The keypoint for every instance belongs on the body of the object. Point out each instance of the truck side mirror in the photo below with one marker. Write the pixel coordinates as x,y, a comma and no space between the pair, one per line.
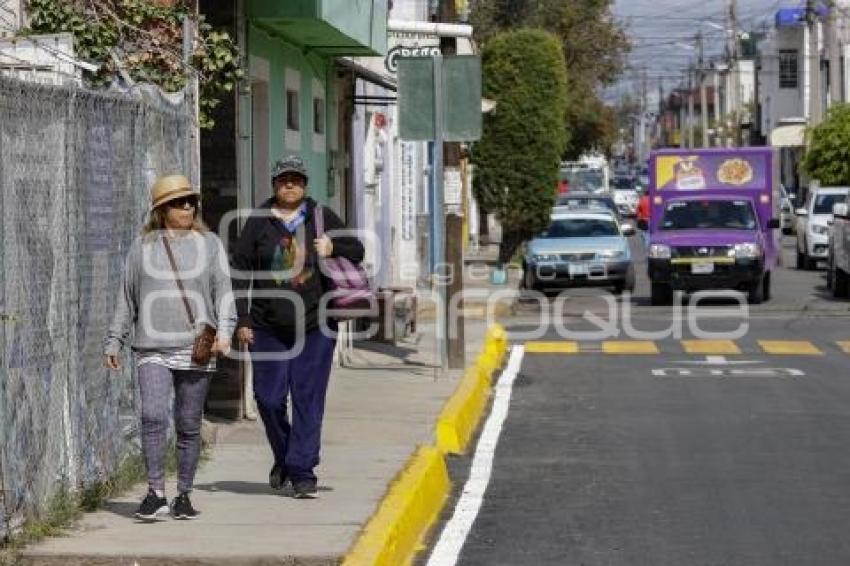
642,224
773,224
840,210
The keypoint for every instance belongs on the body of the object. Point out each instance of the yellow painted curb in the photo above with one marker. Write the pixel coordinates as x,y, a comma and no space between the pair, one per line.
414,501
461,414
396,531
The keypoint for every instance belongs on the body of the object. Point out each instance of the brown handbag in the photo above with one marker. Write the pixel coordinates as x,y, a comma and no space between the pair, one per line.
204,341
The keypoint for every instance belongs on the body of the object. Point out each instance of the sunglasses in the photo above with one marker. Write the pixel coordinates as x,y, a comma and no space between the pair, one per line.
182,202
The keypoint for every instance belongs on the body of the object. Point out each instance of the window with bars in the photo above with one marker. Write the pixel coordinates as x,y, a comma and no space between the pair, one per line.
788,68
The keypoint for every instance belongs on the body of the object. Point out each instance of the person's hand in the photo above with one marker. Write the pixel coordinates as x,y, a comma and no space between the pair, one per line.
221,347
245,335
110,361
324,246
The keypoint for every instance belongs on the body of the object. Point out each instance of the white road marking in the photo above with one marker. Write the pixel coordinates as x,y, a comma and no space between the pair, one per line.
718,361
448,548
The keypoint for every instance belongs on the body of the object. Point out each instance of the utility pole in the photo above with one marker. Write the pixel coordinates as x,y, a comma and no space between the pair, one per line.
455,347
814,79
662,129
734,94
835,62
644,109
703,96
717,140
691,107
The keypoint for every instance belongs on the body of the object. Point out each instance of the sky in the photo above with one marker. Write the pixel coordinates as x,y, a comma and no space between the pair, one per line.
663,33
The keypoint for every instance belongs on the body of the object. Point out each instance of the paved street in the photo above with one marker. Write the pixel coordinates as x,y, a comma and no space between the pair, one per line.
675,450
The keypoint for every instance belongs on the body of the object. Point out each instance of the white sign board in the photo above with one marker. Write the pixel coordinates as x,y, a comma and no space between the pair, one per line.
452,187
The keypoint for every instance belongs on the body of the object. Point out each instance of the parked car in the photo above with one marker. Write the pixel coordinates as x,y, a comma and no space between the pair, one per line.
786,216
812,225
580,248
838,267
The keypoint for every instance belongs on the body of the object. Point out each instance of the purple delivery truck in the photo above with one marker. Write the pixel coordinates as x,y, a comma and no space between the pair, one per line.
714,215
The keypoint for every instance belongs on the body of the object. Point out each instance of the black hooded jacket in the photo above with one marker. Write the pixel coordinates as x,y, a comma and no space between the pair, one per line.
265,250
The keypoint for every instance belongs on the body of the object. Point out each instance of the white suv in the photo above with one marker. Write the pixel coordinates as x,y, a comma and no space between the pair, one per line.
813,224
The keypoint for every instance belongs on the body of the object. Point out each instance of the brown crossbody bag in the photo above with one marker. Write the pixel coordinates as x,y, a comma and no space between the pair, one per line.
202,348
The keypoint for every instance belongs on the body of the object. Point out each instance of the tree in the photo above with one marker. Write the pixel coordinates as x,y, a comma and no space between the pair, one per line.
143,38
827,158
518,157
594,45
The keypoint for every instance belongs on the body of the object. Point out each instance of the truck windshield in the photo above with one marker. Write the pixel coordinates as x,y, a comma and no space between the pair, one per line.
823,203
708,215
581,228
584,179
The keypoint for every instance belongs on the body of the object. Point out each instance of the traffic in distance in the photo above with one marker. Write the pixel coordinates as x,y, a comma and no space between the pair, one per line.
707,220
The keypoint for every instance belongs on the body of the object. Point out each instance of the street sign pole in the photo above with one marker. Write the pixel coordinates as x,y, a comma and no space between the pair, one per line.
438,226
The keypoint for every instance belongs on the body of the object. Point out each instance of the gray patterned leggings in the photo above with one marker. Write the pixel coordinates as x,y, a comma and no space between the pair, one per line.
190,392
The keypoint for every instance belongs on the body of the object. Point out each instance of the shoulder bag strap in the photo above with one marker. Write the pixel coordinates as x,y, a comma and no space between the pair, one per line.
178,281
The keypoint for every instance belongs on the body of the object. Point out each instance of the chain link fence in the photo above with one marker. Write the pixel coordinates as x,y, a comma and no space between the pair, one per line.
75,167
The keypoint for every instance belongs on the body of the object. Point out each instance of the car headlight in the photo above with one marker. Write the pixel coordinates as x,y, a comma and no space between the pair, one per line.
611,254
659,251
747,250
545,258
819,230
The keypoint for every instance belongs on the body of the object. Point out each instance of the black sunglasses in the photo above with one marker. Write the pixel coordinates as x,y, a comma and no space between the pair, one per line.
182,202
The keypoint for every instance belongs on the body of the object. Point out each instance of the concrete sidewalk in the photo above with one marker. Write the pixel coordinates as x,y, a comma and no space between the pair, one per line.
377,413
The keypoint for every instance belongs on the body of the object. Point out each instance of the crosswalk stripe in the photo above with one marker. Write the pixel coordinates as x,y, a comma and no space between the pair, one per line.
564,347
710,347
629,347
789,347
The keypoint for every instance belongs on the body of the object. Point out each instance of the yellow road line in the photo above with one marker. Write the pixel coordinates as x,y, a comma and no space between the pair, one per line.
789,347
629,347
845,346
551,347
709,347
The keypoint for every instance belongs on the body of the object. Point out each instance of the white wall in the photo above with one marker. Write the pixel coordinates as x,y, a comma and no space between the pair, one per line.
780,103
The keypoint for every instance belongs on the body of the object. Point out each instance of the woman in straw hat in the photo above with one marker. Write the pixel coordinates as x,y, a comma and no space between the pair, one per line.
176,282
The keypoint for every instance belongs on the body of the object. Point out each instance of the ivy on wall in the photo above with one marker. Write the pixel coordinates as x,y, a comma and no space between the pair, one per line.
143,38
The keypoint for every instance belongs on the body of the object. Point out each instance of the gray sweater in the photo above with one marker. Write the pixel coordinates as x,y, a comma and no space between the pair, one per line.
149,305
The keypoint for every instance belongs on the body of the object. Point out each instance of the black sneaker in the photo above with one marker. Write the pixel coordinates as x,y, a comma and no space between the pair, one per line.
181,507
304,489
152,507
277,477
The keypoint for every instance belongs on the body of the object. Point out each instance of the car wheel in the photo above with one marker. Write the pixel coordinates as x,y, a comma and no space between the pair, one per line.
755,296
840,284
810,264
766,291
661,294
530,282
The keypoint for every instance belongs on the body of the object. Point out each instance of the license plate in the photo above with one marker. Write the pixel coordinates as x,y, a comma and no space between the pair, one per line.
577,269
702,268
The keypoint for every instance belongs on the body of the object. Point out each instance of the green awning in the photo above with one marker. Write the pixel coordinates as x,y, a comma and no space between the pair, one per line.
330,27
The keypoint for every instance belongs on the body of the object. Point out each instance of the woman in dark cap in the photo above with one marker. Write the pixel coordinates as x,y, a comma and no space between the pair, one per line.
277,257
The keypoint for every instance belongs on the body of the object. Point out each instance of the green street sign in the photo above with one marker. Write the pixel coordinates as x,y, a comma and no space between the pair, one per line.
458,107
